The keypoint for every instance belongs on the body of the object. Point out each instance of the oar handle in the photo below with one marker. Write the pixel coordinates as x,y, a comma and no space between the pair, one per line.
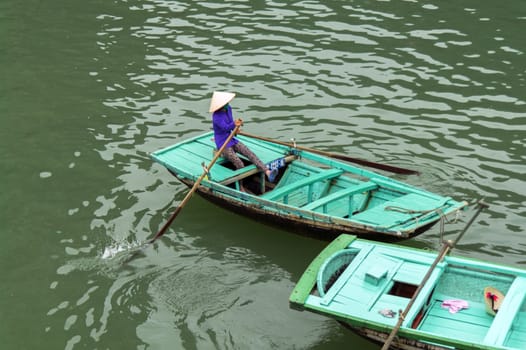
195,186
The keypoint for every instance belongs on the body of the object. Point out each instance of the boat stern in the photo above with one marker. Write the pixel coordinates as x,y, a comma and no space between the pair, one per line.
308,280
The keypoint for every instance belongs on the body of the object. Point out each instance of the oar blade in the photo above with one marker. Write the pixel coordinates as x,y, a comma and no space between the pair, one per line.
367,163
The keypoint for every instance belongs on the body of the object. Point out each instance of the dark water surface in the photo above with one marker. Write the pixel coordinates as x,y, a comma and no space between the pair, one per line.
89,88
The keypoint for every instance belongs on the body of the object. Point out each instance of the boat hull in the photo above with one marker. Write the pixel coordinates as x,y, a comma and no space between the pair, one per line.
326,231
379,338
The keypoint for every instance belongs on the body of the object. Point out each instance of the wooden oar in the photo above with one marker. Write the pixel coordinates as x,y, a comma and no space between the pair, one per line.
194,187
390,168
446,247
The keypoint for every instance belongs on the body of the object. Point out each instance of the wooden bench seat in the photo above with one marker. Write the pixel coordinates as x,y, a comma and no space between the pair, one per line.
284,191
322,202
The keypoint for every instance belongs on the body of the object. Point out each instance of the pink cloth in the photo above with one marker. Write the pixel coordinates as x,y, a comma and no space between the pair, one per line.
455,305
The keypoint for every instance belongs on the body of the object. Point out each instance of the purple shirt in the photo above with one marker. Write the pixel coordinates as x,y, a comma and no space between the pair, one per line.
223,123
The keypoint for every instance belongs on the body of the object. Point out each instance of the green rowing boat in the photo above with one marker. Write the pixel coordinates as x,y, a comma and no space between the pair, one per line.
313,194
463,304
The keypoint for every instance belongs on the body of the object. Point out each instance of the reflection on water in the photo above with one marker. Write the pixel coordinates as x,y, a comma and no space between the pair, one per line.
186,296
434,87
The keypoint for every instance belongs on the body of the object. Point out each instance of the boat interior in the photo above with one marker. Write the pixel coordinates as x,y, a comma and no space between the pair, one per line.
312,183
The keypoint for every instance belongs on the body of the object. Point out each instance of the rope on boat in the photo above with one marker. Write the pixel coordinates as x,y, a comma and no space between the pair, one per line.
207,172
442,227
293,150
439,212
411,211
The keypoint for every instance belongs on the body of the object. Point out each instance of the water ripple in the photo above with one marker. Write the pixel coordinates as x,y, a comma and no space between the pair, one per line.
434,87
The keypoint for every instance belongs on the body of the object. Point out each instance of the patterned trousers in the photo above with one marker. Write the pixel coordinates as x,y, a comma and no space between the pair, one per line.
230,154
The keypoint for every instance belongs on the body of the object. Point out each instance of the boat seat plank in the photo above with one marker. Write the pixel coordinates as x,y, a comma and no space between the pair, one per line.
469,324
285,190
366,186
296,171
509,308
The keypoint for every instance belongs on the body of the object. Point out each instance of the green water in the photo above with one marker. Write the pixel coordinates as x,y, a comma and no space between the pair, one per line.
89,89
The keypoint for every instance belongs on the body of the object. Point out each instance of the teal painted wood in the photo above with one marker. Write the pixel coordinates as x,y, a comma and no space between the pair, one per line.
517,335
471,324
382,277
411,202
266,152
306,182
335,196
504,319
313,194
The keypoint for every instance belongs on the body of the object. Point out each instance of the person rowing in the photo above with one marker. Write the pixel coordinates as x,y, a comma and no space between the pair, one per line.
223,124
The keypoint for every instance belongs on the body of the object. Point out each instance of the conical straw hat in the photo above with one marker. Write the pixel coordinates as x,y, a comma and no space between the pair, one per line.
493,298
219,99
